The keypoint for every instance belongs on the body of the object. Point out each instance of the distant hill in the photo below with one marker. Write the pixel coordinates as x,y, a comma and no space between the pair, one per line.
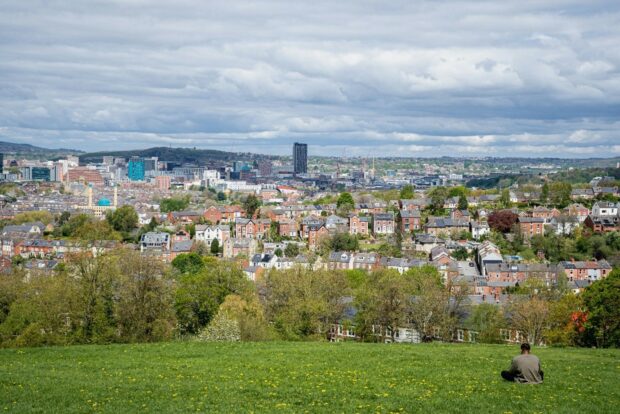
178,155
33,152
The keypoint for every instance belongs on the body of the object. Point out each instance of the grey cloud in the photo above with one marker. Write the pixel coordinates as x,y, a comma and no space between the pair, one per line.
411,78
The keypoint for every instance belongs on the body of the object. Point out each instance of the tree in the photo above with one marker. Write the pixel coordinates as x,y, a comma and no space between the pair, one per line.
502,220
602,301
504,198
221,196
249,315
560,193
94,278
251,204
278,252
345,203
384,301
43,216
438,198
529,316
564,313
215,246
199,295
291,250
406,192
221,329
343,241
63,218
463,204
460,253
188,263
144,308
544,193
301,303
124,219
174,204
487,320
93,230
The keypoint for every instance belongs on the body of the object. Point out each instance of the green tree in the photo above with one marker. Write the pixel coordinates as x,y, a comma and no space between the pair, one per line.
602,301
463,204
63,218
124,219
188,263
560,193
291,250
278,252
438,197
144,308
544,193
561,328
504,198
343,241
406,192
460,253
174,204
345,202
301,303
215,247
251,204
198,295
221,196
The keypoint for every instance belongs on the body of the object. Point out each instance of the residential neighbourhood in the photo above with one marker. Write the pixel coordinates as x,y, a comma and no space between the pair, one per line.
492,242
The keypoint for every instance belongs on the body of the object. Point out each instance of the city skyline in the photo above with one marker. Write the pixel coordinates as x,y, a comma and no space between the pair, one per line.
529,79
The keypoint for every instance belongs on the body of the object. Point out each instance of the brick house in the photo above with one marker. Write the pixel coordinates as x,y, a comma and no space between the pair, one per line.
531,226
316,233
358,225
383,223
213,215
411,220
579,211
288,228
589,270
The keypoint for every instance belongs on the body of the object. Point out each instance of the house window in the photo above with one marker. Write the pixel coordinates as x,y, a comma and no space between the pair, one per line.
473,336
460,335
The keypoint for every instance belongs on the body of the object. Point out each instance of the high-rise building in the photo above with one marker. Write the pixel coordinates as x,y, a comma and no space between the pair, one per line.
1,163
300,158
135,169
265,168
150,164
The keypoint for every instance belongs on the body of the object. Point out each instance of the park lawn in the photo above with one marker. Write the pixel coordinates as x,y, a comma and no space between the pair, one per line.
302,377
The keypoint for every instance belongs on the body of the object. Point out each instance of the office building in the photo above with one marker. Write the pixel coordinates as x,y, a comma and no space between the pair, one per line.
1,163
300,158
135,169
35,173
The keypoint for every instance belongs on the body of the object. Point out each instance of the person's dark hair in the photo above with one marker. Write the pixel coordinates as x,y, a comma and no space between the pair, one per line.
525,347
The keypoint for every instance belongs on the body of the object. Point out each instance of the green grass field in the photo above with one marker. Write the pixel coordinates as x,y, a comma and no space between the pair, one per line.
302,377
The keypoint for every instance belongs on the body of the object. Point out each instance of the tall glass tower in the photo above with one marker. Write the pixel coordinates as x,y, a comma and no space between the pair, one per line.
300,158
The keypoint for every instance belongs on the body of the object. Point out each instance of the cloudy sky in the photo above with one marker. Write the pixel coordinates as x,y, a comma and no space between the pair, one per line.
410,78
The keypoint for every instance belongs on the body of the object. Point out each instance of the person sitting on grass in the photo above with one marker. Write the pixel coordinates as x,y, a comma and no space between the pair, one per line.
525,368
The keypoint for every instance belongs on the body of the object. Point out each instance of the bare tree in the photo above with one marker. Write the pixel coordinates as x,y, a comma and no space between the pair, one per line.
529,316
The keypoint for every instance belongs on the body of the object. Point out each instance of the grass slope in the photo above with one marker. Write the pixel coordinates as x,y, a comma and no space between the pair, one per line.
301,377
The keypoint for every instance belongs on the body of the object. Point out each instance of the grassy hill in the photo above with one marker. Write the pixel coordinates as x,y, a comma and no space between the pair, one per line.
302,377
33,152
179,155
